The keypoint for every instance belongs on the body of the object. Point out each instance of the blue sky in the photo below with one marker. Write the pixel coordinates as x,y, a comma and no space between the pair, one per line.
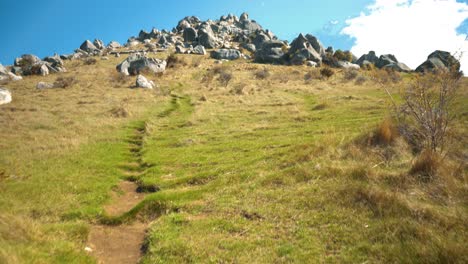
48,26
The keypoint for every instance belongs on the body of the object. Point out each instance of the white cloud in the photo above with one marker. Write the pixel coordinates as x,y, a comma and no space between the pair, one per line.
410,29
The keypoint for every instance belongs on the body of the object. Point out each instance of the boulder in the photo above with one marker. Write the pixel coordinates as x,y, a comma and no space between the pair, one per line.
386,60
114,45
249,47
259,39
44,85
26,60
271,52
99,44
439,60
348,65
3,70
207,39
244,16
190,35
369,58
226,54
135,63
5,96
142,82
318,47
311,64
399,66
14,77
301,50
199,50
88,46
55,63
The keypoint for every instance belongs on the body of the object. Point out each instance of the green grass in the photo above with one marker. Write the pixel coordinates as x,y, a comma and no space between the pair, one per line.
275,175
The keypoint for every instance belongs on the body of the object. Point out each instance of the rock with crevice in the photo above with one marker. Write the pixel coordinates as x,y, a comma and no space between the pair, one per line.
439,60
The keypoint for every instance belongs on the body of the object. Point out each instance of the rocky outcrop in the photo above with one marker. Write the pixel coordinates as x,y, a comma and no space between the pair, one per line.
190,35
142,82
439,60
136,63
5,96
31,65
88,46
113,45
271,52
301,50
226,54
369,58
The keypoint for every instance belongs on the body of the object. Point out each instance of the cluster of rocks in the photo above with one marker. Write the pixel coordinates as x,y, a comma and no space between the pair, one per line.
136,63
387,61
439,60
29,64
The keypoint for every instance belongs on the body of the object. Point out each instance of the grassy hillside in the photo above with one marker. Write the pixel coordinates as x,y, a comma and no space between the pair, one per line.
271,165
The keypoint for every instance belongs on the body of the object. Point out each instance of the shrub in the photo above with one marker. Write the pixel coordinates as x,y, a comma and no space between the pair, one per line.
343,55
224,78
262,74
90,61
174,61
326,73
427,111
425,166
350,74
311,75
64,82
360,80
385,134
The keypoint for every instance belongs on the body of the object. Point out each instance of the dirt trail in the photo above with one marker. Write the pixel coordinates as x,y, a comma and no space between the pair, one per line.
122,243
119,244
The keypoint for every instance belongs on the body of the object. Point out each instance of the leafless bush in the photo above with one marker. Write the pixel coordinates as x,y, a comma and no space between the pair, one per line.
360,80
64,82
350,74
90,61
312,75
224,78
262,74
427,110
174,61
326,73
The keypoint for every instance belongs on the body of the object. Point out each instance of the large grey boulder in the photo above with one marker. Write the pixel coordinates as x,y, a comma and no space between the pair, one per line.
5,96
190,35
316,44
399,66
439,60
199,50
369,58
99,44
301,50
226,54
88,46
136,63
259,39
207,40
272,51
190,21
114,45
386,60
56,64
142,82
